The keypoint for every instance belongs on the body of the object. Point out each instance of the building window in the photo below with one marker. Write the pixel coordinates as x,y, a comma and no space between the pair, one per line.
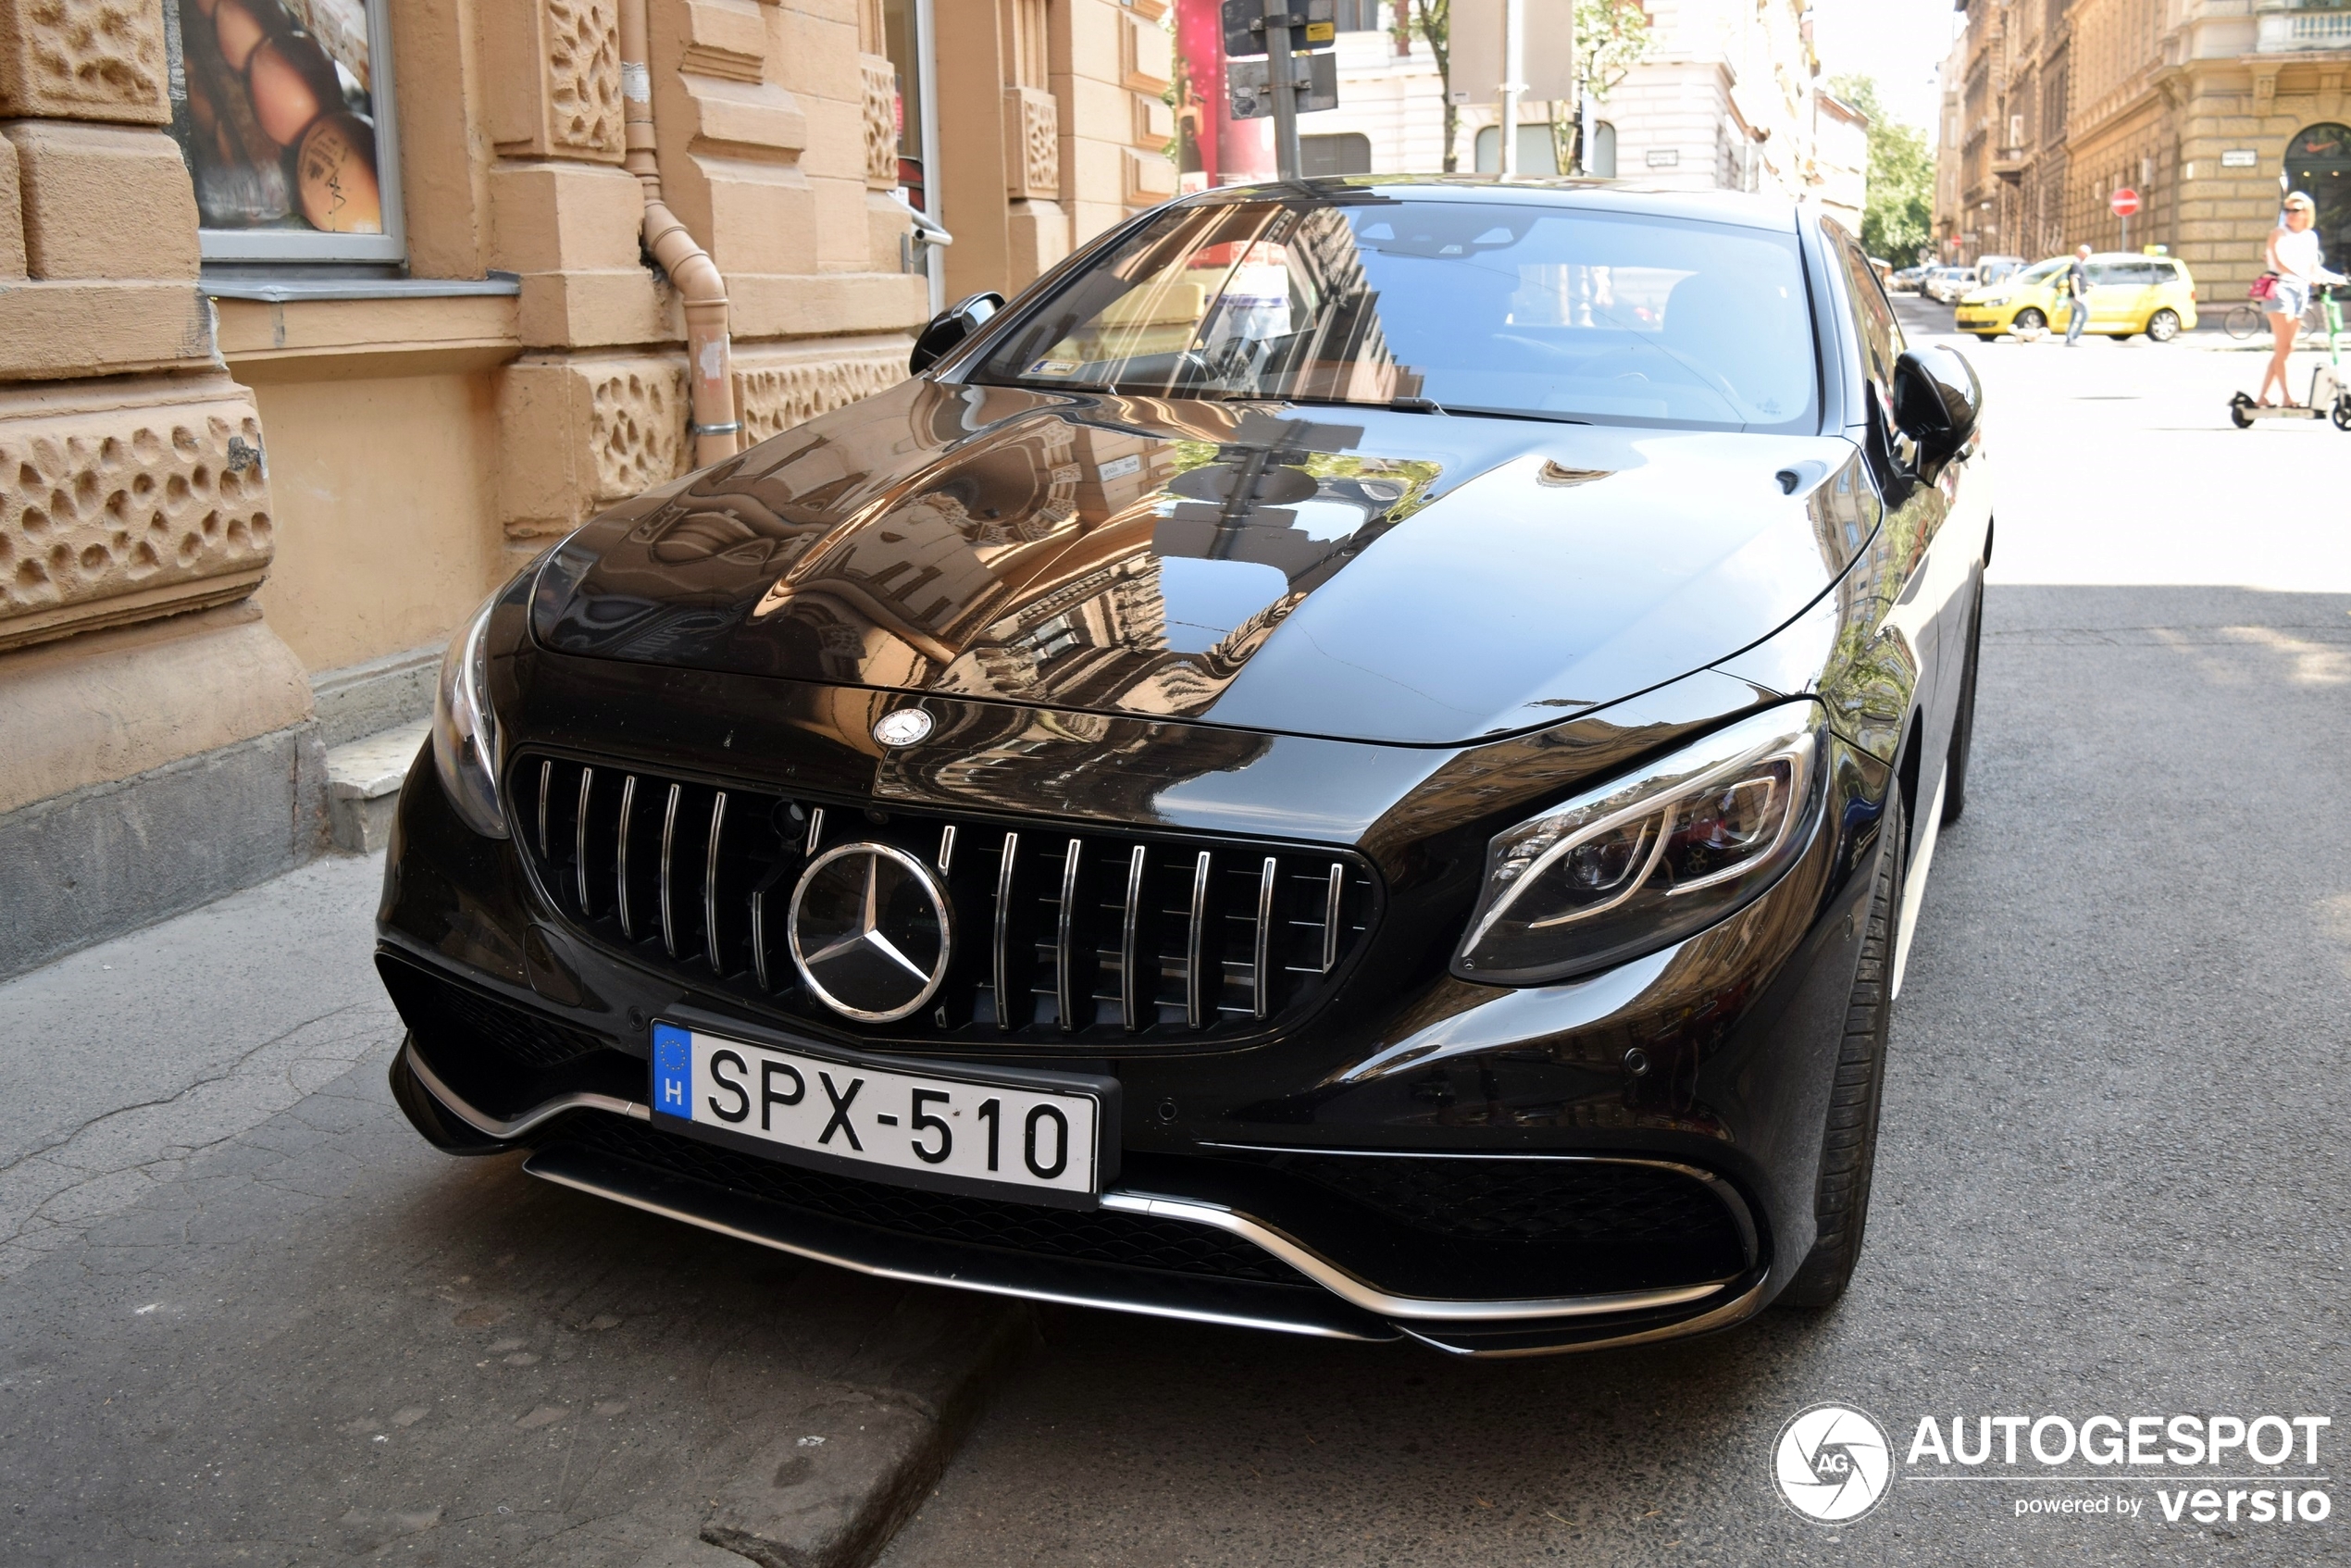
2319,161
283,110
1347,154
1358,16
1537,152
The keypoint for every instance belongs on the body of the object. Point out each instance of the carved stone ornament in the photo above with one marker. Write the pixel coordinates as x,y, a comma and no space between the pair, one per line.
1034,121
82,59
775,396
636,431
583,77
157,503
881,122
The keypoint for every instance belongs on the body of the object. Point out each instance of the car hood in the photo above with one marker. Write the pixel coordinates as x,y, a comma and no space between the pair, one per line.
1353,572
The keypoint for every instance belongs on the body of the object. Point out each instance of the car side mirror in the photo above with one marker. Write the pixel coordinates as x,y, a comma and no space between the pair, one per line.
1937,400
950,327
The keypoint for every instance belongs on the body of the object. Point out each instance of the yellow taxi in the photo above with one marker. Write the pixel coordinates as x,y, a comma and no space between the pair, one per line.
2128,294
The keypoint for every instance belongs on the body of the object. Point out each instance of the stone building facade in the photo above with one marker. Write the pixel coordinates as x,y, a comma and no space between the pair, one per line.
2209,109
318,317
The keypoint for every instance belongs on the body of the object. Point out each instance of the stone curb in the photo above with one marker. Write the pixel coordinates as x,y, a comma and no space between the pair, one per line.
850,1466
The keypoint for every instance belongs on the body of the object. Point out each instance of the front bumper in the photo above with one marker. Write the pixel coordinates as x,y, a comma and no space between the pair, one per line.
1625,1158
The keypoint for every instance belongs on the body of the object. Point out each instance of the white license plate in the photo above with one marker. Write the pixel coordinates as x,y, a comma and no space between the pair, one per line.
938,1130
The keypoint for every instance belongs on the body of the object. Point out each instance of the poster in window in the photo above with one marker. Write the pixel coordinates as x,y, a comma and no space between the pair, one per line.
272,104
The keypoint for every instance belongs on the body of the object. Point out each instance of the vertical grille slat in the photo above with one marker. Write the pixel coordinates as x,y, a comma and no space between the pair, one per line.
1064,932
1222,940
1003,953
1197,1001
710,887
1260,976
579,840
1131,996
620,858
669,861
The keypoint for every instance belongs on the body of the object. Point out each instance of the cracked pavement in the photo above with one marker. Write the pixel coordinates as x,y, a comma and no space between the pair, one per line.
252,1318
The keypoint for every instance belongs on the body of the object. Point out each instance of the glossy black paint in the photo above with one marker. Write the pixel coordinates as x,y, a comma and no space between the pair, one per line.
1498,615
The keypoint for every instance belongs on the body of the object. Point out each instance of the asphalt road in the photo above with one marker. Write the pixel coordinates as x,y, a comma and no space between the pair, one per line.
2113,1175
246,1316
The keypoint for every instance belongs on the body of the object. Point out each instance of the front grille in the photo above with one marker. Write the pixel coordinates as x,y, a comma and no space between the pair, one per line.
1101,940
1530,1200
1101,1237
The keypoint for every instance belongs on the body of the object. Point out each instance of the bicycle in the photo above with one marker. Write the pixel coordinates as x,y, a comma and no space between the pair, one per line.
2248,319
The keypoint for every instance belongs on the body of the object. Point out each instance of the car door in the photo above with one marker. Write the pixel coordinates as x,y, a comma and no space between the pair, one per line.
2118,295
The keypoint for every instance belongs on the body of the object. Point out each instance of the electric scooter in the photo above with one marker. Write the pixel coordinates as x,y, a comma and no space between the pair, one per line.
2330,396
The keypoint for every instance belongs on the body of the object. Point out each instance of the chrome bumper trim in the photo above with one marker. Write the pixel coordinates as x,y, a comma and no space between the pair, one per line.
490,1126
1425,1309
713,1209
607,1181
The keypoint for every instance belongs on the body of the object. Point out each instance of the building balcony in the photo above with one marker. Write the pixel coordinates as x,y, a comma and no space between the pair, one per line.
2289,27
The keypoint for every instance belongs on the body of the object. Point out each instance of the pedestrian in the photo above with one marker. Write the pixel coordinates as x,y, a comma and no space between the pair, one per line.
2077,290
2292,255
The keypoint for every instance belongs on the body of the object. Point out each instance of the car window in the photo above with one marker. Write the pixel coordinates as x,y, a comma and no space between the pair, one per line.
1356,296
2102,272
2167,271
1873,321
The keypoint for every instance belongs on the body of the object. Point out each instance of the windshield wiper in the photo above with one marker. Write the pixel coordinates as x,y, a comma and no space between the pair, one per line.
1506,413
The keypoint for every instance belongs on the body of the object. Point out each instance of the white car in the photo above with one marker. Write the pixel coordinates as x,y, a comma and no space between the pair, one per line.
1948,283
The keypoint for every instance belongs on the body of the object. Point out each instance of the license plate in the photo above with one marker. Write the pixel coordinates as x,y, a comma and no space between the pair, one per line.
924,1129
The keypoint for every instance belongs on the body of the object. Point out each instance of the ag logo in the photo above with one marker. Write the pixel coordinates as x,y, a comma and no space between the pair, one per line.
1833,1463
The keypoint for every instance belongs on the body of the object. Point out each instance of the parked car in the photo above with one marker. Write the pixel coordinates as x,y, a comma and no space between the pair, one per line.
2128,295
1945,285
1381,806
1991,269
1905,281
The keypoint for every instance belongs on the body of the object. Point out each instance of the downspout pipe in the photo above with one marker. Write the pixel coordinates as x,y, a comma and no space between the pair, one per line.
710,370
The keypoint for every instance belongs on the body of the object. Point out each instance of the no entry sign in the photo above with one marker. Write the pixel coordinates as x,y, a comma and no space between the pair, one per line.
2124,202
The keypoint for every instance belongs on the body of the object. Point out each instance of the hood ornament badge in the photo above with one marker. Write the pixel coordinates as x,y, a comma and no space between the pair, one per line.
902,726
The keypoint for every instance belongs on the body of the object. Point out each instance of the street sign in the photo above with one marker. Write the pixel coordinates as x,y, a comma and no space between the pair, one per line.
2124,202
1245,26
1253,98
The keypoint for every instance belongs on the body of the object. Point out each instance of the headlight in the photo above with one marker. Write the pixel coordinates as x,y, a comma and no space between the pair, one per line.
464,731
1639,863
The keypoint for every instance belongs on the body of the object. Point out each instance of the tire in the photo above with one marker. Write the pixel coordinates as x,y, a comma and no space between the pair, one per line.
1848,1149
2163,326
2243,321
1963,721
2340,414
2030,324
1988,337
2241,412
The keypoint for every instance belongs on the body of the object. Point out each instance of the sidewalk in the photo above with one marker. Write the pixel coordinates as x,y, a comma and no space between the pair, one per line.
252,1316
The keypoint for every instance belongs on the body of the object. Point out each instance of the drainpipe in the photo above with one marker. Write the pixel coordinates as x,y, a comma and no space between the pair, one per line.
709,362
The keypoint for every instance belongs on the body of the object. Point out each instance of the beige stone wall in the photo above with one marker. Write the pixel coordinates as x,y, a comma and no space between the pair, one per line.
193,490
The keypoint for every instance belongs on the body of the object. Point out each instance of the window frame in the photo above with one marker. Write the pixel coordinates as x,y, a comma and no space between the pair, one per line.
311,245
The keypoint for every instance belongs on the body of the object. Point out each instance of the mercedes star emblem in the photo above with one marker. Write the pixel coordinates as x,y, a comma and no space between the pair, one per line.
871,930
902,726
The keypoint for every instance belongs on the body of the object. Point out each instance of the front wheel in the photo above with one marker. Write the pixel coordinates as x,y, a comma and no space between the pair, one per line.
2163,326
1848,1149
2030,324
2241,411
2341,413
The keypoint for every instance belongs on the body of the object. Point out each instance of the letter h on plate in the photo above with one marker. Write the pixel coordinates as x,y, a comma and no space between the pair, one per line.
673,1071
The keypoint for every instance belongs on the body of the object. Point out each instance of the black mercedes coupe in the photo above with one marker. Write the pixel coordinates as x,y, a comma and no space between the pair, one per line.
1361,759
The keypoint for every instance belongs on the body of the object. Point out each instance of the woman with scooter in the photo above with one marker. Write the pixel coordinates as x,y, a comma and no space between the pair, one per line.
2291,254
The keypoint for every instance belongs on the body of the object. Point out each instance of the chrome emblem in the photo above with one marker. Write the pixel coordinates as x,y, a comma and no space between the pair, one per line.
871,930
902,726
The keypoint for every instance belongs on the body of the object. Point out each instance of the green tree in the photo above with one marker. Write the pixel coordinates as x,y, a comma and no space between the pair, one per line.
1898,222
1433,19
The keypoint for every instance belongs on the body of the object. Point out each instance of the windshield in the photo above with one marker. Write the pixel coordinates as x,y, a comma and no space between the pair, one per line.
1549,312
2042,271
